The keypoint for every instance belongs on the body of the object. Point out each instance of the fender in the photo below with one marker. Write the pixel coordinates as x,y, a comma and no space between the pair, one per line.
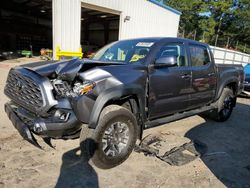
113,94
223,84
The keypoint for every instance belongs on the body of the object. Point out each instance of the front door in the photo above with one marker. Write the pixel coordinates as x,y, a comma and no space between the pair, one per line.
169,87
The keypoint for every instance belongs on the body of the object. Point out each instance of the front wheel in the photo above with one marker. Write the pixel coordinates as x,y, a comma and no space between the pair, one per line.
226,104
113,139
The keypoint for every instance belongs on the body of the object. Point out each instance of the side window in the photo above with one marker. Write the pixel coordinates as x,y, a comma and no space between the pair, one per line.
177,50
199,55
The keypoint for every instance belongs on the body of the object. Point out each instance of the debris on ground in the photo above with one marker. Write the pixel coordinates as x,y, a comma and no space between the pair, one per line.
146,145
177,156
185,153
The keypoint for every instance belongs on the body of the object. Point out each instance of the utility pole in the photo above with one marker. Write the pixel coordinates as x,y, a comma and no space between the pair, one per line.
237,45
203,36
194,34
218,31
227,42
245,47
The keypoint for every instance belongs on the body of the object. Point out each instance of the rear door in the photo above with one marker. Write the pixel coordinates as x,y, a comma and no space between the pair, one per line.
203,75
169,87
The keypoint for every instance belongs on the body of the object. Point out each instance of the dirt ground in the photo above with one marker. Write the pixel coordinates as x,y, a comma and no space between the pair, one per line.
226,163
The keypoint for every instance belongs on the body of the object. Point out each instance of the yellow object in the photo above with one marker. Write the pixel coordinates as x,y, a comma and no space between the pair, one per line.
123,56
60,53
136,57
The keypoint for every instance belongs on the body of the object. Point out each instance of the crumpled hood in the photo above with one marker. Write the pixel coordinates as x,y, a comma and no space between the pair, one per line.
68,70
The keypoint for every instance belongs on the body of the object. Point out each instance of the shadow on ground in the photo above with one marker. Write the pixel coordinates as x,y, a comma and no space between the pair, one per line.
228,155
76,171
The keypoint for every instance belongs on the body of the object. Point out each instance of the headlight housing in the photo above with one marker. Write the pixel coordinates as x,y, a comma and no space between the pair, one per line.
84,87
64,89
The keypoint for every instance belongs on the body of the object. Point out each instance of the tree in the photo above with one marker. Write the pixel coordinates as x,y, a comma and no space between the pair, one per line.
225,20
190,14
207,28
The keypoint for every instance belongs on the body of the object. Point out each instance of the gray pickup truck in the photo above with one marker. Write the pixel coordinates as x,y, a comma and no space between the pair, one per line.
128,86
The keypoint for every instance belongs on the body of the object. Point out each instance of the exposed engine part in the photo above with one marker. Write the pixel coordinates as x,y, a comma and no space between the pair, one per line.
63,89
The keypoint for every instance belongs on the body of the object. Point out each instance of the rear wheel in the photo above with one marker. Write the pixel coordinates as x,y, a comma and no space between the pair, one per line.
225,106
113,139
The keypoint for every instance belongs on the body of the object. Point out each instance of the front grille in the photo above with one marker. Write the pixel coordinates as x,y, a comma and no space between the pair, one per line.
23,91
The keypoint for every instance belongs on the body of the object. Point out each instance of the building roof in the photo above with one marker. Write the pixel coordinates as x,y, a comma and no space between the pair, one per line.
165,6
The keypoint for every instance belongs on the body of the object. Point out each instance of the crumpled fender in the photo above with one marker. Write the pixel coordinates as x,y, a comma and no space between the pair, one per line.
113,94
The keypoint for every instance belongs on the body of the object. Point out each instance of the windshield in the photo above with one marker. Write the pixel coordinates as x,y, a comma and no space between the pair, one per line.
129,51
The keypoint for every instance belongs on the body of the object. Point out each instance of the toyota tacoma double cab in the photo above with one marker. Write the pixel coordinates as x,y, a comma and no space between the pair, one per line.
126,87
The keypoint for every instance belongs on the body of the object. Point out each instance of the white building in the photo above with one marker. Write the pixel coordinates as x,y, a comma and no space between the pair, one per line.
97,22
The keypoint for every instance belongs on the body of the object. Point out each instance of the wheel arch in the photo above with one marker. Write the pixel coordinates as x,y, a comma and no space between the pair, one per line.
229,83
133,95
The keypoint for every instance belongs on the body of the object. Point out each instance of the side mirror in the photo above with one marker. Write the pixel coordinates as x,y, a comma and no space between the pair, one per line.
169,61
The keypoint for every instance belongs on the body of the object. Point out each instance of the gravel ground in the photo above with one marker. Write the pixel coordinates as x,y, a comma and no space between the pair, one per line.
226,163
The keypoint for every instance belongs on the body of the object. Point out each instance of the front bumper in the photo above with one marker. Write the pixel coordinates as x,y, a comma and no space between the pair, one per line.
20,126
50,127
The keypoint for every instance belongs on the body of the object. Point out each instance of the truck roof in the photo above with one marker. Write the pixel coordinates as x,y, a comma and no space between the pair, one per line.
177,39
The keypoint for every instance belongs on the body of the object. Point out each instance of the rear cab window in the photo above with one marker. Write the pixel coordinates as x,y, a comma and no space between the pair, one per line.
199,55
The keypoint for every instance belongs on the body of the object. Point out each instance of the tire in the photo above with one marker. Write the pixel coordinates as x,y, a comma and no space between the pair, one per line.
226,104
113,140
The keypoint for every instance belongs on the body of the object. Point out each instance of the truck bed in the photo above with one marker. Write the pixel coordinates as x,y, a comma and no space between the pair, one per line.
234,71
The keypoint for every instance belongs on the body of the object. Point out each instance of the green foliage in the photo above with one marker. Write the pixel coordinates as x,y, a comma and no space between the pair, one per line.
207,29
203,20
190,18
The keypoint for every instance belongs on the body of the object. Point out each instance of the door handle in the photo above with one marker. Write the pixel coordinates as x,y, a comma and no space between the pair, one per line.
211,74
186,76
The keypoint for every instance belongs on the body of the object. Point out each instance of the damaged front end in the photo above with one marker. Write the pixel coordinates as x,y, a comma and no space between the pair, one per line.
22,128
61,124
43,105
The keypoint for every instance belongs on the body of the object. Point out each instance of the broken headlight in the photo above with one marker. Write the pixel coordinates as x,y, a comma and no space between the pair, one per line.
64,89
82,88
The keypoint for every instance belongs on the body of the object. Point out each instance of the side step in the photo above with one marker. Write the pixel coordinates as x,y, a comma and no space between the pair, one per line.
178,116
